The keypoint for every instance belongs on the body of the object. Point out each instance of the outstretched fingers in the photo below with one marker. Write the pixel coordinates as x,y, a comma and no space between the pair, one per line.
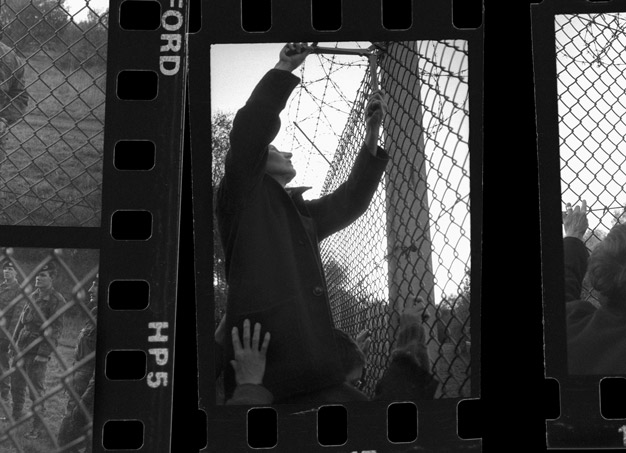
266,343
246,334
237,348
256,336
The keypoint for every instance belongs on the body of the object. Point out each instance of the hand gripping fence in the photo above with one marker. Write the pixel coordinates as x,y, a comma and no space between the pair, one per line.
59,401
53,96
590,62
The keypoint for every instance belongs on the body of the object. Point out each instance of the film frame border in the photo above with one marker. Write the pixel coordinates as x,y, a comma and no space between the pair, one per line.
153,259
580,423
221,24
158,191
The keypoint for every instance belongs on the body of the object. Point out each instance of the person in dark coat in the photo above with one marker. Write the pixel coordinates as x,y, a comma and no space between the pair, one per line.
34,346
270,236
596,336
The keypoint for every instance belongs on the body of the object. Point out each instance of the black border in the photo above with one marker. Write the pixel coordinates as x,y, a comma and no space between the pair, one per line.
291,21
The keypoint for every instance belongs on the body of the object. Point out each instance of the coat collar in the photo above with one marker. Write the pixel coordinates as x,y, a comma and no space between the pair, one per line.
298,191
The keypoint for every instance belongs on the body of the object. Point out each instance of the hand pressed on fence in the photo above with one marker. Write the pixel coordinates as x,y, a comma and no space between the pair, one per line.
270,236
249,366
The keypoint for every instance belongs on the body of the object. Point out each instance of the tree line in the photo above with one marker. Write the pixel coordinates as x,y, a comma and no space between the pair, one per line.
31,25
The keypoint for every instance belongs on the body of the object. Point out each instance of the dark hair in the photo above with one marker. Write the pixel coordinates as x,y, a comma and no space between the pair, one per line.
607,266
350,354
405,379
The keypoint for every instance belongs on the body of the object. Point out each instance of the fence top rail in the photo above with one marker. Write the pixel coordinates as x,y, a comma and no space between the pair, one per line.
372,50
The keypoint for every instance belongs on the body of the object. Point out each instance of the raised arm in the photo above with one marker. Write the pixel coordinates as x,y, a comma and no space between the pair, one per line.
374,114
351,199
257,124
575,254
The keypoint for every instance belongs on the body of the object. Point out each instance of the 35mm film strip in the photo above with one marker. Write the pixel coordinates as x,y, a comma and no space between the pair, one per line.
91,123
337,257
578,60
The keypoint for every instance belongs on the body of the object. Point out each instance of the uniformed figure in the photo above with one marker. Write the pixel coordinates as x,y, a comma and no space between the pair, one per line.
35,345
78,415
11,306
13,95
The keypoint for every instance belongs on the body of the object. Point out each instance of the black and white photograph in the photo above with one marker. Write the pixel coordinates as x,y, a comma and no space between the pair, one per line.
590,80
48,320
52,95
580,111
342,240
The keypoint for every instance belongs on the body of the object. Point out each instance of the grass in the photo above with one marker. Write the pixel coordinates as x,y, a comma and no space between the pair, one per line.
71,94
51,167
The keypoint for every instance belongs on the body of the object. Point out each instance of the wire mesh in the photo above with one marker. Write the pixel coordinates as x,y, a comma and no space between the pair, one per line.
592,110
47,405
414,241
52,96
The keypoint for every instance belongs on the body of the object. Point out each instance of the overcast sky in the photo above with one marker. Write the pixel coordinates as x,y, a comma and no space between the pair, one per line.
79,10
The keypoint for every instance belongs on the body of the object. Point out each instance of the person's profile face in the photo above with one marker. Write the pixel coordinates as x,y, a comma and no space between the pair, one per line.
279,164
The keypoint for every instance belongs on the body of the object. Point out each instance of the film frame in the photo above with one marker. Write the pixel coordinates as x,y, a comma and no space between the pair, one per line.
566,35
221,24
136,239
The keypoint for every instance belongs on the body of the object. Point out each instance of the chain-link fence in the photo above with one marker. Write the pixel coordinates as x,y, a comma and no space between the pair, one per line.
48,310
52,97
414,241
590,60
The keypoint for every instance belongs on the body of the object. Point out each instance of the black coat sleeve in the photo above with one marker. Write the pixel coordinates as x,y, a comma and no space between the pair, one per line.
575,256
350,200
254,127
